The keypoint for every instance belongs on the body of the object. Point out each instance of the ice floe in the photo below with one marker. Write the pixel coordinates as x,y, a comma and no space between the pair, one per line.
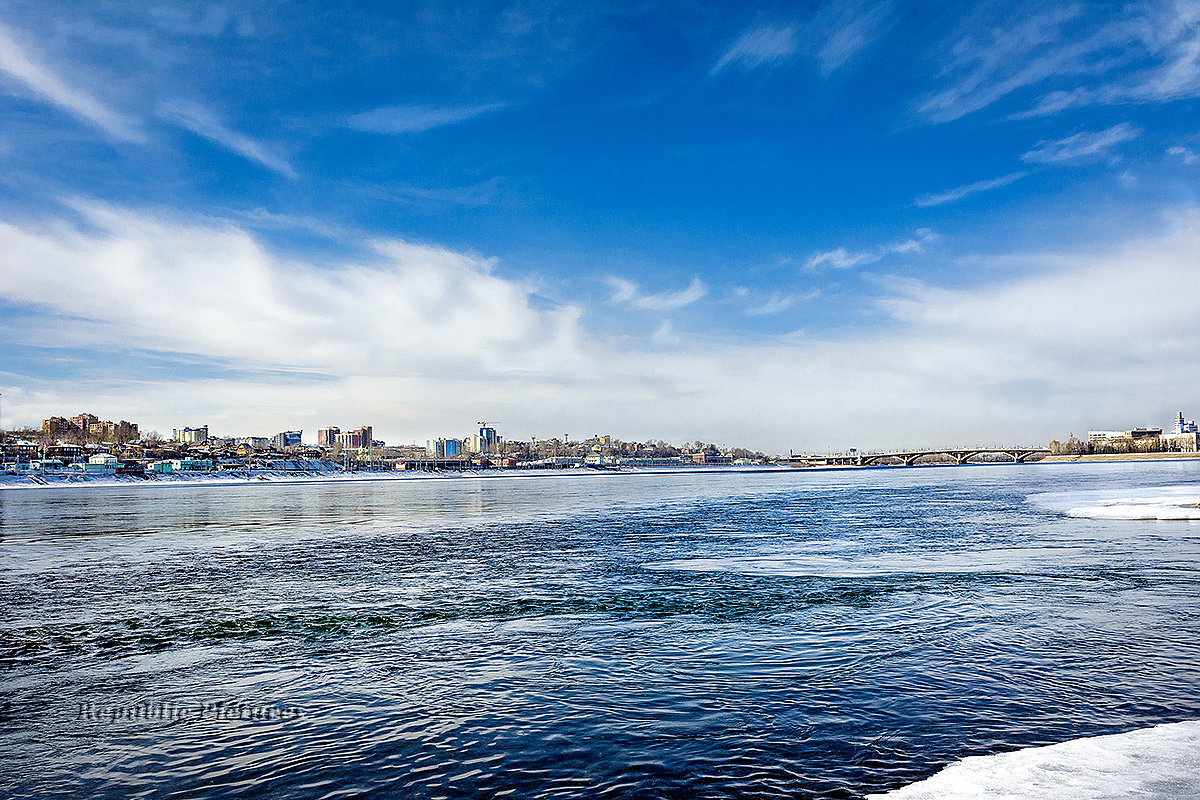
1158,763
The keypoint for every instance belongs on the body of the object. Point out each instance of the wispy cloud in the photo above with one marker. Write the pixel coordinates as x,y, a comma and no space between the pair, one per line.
415,118
759,46
1168,37
628,292
1080,145
940,198
777,302
477,194
984,69
841,258
204,123
1188,155
1146,53
846,31
833,38
44,83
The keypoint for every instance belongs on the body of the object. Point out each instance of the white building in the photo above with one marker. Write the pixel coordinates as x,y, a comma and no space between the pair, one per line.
191,435
1183,437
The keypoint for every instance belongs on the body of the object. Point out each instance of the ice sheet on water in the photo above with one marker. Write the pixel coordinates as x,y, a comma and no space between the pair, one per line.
1153,763
1155,503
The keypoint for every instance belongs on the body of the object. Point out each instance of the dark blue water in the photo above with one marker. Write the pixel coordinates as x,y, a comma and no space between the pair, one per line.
753,635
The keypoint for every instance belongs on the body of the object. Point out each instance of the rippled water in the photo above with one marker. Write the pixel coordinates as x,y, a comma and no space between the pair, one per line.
721,635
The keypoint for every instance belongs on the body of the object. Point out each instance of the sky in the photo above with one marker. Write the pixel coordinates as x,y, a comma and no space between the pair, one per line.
788,226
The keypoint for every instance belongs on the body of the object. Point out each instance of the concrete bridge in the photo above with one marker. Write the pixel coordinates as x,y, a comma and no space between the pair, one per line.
961,455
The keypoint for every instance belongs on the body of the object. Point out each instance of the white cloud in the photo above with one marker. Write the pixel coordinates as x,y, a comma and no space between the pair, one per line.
1186,154
777,302
833,38
415,118
759,46
1145,53
665,336
841,258
1080,145
985,68
847,30
211,289
940,198
625,291
419,340
204,123
43,82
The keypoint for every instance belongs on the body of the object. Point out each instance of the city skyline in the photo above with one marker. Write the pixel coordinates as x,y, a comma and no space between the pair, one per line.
784,228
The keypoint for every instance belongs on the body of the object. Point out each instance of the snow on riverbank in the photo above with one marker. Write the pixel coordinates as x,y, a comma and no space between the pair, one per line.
241,477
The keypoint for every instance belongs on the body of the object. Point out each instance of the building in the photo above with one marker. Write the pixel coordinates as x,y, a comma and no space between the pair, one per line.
91,426
1134,435
84,421
59,427
108,431
191,464
286,439
101,463
444,448
191,435
1184,436
357,439
18,451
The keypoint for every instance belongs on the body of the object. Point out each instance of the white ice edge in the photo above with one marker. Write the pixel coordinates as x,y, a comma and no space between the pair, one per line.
1158,763
1152,503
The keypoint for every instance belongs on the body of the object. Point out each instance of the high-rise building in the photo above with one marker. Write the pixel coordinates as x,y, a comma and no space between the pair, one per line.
84,421
191,435
357,439
444,448
286,439
58,426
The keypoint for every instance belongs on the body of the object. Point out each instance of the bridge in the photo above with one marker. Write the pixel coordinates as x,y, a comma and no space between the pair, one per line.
961,455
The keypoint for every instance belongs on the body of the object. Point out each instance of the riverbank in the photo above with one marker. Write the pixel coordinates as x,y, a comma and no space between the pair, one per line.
1070,459
242,477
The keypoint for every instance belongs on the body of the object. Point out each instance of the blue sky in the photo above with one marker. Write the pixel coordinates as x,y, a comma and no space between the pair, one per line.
792,226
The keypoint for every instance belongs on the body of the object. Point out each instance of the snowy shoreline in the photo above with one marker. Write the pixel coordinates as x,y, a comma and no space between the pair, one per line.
243,478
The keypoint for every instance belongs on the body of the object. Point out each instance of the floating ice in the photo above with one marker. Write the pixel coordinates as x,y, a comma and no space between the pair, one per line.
1161,503
1153,763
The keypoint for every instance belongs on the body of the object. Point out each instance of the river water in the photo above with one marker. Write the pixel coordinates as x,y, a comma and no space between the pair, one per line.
802,634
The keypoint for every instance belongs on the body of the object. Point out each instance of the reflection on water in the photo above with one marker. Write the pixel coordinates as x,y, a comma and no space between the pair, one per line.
798,635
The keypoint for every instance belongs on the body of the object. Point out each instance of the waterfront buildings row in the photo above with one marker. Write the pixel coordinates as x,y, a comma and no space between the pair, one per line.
484,442
1183,436
85,444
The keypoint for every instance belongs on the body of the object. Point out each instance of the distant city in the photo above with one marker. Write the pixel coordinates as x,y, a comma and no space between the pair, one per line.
88,445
